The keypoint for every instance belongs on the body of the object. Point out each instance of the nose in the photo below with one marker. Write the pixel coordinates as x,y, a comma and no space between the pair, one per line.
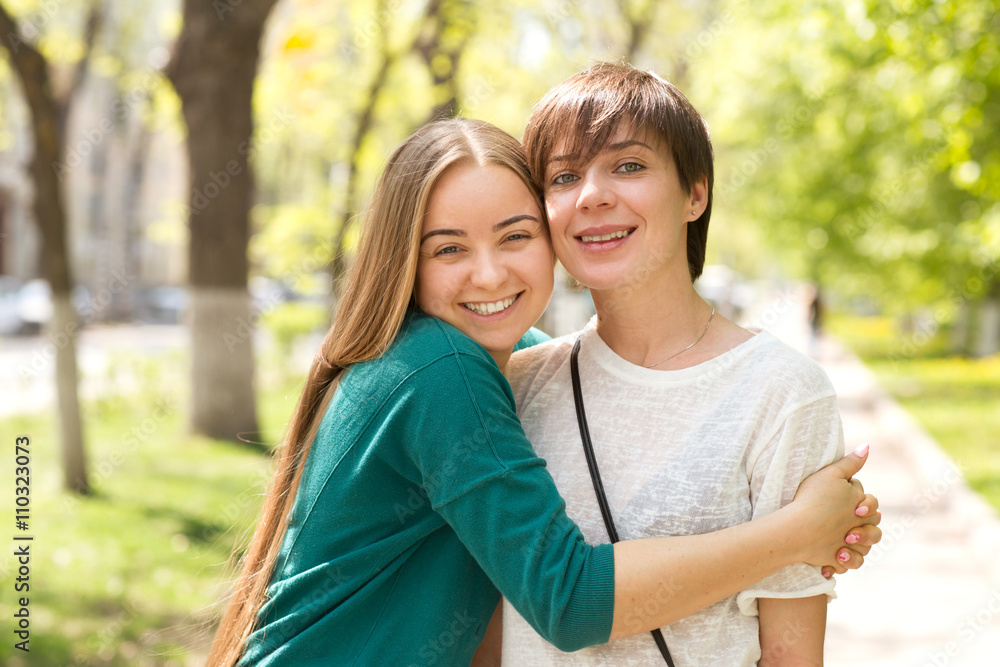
490,271
594,191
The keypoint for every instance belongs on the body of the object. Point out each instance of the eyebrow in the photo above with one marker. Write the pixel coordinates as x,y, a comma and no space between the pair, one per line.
503,224
573,157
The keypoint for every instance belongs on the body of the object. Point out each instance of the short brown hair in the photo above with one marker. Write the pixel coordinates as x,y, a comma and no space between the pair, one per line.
588,108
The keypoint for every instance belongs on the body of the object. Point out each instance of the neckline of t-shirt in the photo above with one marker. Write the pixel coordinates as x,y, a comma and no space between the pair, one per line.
593,345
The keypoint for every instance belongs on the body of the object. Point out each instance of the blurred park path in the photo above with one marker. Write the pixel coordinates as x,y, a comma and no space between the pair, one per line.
929,594
27,365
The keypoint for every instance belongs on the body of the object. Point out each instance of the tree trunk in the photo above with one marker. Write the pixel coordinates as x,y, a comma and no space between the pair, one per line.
213,69
47,117
426,38
988,340
639,22
453,24
958,335
138,151
338,267
74,458
100,225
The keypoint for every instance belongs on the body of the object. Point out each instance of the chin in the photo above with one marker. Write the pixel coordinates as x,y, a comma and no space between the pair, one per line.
601,275
601,280
495,344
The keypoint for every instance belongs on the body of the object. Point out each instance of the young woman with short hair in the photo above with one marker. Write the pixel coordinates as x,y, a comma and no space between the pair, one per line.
697,424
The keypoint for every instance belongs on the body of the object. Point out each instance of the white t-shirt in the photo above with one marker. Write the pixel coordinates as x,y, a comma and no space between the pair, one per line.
680,452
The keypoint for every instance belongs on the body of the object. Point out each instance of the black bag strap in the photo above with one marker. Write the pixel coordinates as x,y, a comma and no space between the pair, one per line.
595,476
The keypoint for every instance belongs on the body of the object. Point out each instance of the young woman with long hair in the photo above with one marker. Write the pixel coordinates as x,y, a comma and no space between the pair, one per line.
405,494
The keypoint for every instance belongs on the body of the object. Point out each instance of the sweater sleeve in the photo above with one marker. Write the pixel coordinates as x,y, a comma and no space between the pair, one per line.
475,465
808,438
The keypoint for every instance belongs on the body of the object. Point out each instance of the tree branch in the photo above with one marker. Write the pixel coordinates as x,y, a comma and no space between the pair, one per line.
32,69
638,26
94,22
436,44
364,124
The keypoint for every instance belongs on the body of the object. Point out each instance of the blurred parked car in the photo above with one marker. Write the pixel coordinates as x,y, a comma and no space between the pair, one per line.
266,293
27,307
34,305
10,319
161,305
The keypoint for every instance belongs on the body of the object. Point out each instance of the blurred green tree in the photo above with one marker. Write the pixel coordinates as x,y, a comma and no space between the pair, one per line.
861,137
409,62
439,38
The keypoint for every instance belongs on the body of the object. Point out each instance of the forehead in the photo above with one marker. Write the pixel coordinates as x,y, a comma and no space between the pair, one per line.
468,194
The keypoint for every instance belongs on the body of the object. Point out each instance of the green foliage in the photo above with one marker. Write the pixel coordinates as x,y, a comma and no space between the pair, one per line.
854,141
292,241
512,53
288,323
291,320
859,137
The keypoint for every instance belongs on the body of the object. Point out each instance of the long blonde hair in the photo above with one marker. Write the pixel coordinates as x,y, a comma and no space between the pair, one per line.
374,304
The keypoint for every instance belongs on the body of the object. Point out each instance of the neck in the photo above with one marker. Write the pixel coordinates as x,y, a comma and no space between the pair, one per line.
502,358
645,325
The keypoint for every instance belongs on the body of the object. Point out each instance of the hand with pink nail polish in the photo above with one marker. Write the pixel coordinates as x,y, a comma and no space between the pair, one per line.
835,504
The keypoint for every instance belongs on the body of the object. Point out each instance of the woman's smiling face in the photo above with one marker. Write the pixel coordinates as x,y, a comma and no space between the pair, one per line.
621,218
486,264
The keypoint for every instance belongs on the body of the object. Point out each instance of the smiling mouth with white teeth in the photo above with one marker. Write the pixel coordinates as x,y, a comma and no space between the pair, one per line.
492,307
607,237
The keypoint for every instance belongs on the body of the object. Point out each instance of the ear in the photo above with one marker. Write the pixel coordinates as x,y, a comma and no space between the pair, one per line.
698,199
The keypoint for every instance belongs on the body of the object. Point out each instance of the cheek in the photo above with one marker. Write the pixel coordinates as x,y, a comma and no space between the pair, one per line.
430,289
563,247
541,268
557,214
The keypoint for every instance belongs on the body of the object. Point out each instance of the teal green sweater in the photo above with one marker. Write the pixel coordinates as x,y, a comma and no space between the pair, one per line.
419,499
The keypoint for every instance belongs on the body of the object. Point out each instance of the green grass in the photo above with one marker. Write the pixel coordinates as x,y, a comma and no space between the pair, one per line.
132,574
956,399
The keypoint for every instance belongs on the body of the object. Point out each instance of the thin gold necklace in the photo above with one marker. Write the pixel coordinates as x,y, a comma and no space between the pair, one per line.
707,324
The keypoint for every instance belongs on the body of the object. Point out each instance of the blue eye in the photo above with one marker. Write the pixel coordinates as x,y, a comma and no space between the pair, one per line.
448,250
518,237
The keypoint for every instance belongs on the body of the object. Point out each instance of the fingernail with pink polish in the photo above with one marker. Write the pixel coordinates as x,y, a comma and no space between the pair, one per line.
843,556
861,511
853,538
861,451
827,574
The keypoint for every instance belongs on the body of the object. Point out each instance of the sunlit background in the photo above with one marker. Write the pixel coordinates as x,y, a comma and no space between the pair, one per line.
857,174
